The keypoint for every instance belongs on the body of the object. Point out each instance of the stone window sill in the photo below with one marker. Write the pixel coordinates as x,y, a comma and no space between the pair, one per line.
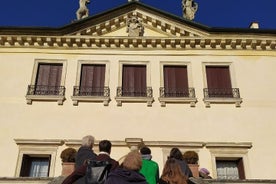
209,101
148,100
31,98
77,99
165,100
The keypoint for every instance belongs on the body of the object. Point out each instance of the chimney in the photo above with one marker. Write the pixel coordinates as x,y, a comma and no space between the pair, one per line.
254,25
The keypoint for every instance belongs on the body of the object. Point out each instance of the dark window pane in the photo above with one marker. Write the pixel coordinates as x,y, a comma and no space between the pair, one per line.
35,166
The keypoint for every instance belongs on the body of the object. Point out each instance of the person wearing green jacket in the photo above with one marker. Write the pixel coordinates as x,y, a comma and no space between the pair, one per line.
150,168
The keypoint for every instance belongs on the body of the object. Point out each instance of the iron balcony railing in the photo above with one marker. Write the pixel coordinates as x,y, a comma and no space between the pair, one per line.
46,90
91,91
221,93
176,92
132,92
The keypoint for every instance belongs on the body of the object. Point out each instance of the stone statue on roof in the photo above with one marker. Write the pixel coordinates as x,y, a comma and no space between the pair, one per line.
189,9
83,11
135,26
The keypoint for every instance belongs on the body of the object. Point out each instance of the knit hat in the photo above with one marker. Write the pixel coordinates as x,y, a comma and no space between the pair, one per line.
204,171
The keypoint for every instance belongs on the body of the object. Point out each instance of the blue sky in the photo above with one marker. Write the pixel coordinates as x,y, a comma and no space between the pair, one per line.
212,13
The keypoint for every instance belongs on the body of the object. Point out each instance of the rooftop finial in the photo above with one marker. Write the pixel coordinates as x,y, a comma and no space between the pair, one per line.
189,9
83,11
132,0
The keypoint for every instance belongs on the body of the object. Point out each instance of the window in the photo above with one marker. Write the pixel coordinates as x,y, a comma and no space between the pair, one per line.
134,83
230,160
220,84
175,81
35,166
47,82
230,169
36,158
175,84
92,82
219,81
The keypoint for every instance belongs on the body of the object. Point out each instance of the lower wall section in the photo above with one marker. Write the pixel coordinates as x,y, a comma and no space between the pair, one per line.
58,180
21,180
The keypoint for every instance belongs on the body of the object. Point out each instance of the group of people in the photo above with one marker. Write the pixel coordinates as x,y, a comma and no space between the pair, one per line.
137,167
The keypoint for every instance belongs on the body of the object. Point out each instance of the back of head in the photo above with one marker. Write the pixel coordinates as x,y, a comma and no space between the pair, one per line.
133,161
145,150
105,146
176,153
172,172
88,141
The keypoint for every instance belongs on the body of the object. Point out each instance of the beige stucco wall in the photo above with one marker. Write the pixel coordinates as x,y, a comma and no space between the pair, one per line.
254,75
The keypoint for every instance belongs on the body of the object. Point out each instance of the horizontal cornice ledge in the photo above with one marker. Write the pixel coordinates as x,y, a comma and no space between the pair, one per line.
247,145
77,142
65,42
174,144
58,142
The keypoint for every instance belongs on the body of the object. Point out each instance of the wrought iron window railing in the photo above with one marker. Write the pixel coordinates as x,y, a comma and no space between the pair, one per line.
46,90
221,93
91,91
132,92
175,92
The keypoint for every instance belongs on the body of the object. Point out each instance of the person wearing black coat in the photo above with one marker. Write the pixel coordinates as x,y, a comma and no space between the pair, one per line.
79,173
85,151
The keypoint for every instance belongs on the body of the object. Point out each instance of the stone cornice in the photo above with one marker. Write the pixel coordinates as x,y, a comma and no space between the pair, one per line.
65,42
39,142
247,145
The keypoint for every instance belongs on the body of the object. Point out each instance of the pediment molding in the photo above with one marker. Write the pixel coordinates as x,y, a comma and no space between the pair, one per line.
219,43
105,31
161,25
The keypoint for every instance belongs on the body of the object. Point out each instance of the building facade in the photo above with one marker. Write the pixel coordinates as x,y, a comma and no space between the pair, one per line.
136,75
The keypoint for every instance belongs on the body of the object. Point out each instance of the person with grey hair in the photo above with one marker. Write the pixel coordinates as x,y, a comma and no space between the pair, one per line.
85,153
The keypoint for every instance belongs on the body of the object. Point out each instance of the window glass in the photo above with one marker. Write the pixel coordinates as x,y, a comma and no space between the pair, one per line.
35,166
39,168
230,169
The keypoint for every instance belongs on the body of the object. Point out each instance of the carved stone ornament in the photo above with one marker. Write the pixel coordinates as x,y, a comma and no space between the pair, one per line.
135,26
83,11
189,9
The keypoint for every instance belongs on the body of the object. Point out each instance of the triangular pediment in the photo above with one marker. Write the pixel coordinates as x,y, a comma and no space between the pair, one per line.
161,30
155,23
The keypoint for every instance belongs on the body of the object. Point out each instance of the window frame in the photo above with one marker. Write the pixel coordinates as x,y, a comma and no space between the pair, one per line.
225,100
148,99
40,148
165,100
228,151
59,98
30,160
106,98
236,161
